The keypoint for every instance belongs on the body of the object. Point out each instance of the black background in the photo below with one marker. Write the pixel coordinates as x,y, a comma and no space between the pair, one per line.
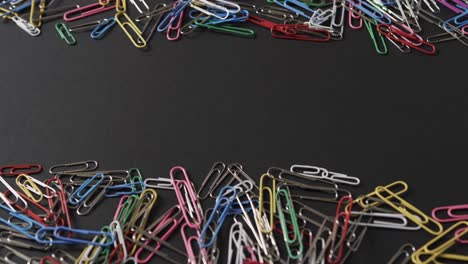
260,102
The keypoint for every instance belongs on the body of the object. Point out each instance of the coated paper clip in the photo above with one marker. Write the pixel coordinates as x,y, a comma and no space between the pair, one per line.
65,34
103,28
300,32
15,170
85,11
450,213
126,22
412,40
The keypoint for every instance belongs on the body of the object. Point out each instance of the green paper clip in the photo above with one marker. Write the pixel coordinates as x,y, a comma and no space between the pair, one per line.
372,34
65,33
243,32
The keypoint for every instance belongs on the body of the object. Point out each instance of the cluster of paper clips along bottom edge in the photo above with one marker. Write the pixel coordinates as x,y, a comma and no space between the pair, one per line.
281,219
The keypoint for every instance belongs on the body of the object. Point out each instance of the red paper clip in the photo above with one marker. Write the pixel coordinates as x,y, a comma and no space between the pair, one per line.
411,40
85,11
49,260
15,170
345,215
293,31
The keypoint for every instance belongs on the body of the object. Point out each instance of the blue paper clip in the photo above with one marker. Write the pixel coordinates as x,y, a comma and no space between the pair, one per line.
103,28
73,231
293,4
371,11
171,16
236,208
41,237
77,197
124,189
458,21
221,202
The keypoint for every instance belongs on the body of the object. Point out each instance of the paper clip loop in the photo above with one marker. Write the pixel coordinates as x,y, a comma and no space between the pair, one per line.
103,28
15,170
140,42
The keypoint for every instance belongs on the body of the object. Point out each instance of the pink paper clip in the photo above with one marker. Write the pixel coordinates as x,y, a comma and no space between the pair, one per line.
190,201
450,211
86,11
465,30
192,258
175,28
169,222
352,16
455,6
459,235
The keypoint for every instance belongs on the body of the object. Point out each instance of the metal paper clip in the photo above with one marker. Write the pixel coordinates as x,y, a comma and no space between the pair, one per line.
323,173
399,222
403,255
17,197
15,170
15,256
26,26
139,42
134,3
84,27
81,166
103,27
19,240
152,20
159,183
409,210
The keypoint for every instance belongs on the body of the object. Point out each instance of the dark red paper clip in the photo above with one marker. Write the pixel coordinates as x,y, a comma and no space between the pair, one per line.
49,260
411,40
331,258
261,22
15,170
300,32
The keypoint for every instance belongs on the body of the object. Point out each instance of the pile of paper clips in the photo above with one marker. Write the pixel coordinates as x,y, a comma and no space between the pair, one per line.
276,221
395,21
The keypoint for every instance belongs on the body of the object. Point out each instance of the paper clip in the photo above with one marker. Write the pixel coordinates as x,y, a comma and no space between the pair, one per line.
140,42
85,11
437,247
271,191
133,2
261,22
173,30
369,10
171,16
449,212
384,220
26,26
159,183
81,166
366,200
36,22
296,238
85,26
8,202
28,184
120,6
65,34
376,39
224,201
293,31
456,5
238,31
103,28
15,170
14,256
323,173
396,34
408,210
72,236
403,255
345,215
190,206
80,194
49,260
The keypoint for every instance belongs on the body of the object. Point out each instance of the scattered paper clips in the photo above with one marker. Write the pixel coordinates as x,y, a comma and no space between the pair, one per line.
276,220
389,23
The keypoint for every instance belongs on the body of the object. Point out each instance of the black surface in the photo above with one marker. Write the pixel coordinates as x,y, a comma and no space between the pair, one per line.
261,102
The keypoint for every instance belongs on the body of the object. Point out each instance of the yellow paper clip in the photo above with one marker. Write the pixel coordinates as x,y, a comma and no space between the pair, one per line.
120,6
36,22
141,213
140,42
29,188
408,210
363,201
272,201
426,254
